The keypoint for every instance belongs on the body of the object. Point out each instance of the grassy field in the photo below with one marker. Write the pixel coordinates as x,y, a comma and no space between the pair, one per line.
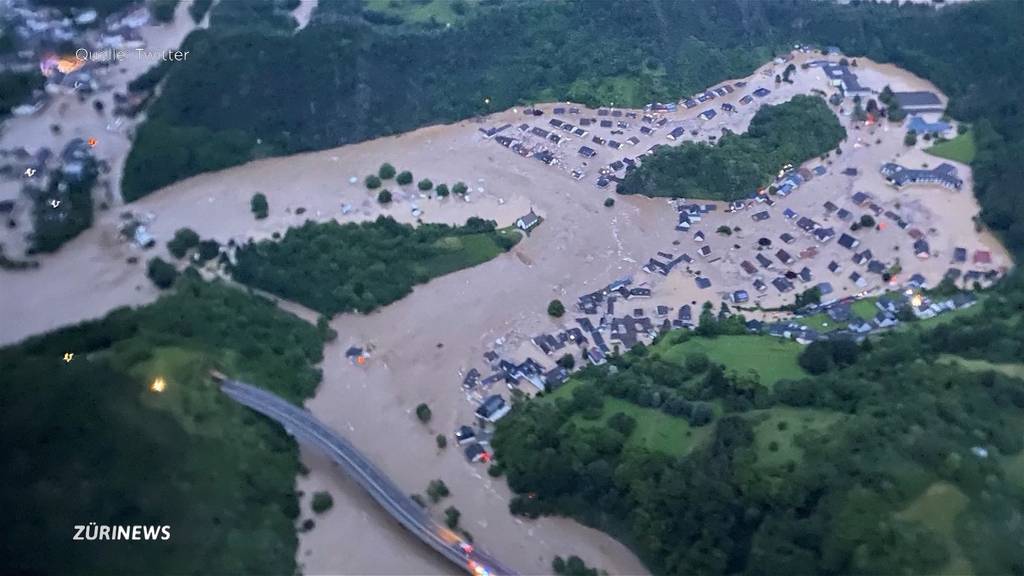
1013,370
655,430
419,11
779,427
773,359
865,308
1014,468
937,508
460,252
959,149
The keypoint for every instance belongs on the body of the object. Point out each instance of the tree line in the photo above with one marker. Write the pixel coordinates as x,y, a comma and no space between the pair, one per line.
739,164
334,268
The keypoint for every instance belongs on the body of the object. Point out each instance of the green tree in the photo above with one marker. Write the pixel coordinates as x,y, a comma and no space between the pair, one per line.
404,177
567,361
724,230
423,412
910,139
441,190
436,490
207,250
259,205
322,502
386,171
384,197
459,189
372,182
867,221
425,184
442,442
183,240
163,10
162,273
556,308
451,517
609,202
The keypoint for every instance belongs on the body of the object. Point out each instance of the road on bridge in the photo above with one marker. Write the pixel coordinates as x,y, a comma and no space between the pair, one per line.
304,427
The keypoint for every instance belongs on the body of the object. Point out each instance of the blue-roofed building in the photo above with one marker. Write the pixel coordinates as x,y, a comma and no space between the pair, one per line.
921,126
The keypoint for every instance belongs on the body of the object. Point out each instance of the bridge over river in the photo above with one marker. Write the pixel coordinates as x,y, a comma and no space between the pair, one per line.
305,428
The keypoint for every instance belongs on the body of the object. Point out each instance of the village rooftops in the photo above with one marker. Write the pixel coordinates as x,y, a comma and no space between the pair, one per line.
493,408
841,76
847,241
921,126
920,101
944,174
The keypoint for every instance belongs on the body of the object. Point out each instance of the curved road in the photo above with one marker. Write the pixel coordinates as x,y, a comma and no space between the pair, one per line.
304,427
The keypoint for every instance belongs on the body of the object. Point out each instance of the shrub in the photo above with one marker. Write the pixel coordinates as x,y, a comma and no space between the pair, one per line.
163,10
386,171
910,139
184,239
609,202
372,182
162,273
451,517
423,412
437,490
622,422
495,470
308,524
404,177
460,188
259,205
322,502
556,308
441,190
208,250
384,197
425,184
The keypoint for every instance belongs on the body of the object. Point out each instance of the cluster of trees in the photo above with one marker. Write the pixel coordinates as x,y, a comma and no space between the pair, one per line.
16,87
740,164
221,476
55,225
335,268
900,421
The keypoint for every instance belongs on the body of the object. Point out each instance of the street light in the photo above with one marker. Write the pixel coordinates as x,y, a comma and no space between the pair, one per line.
158,385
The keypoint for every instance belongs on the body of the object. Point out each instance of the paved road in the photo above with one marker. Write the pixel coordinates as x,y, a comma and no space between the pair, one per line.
304,427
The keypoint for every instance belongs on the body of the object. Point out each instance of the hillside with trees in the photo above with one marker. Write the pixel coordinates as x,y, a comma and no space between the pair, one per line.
895,460
739,164
334,268
361,79
89,440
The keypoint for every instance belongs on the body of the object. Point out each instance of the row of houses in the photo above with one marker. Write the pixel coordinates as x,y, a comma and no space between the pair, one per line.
944,174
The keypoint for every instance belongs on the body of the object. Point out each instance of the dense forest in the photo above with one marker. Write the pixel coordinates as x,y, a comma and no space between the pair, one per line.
89,441
904,458
740,164
361,79
335,268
